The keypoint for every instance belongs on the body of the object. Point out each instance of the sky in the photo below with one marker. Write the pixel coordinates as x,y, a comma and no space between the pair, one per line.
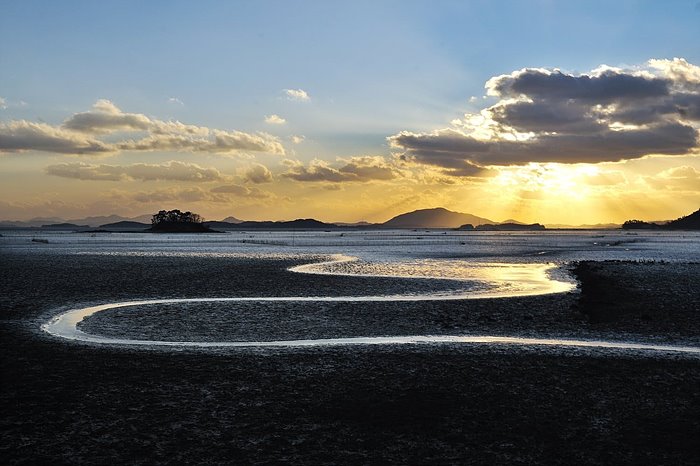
542,111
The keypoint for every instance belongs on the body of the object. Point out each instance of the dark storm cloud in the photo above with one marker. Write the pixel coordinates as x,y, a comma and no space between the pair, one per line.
606,86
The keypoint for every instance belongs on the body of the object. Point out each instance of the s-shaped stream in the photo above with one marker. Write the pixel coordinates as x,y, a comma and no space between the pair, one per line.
530,280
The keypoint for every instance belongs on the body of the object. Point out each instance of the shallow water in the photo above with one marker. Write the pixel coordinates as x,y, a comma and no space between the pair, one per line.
381,245
485,264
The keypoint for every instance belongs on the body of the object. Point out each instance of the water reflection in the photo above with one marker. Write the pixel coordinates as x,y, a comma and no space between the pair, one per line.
480,280
65,326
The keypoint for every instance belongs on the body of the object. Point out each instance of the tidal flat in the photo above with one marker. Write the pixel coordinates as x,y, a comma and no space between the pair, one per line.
66,402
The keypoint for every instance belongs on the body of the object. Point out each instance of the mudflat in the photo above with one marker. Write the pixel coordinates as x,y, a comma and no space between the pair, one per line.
73,403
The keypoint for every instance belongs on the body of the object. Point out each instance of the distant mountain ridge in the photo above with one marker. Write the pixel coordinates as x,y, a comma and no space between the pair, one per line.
298,224
687,222
434,218
511,226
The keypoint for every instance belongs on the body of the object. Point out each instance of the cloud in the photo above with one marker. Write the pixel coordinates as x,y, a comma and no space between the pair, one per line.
172,170
297,94
242,191
604,178
298,139
543,115
359,169
683,178
275,120
105,117
258,174
193,194
80,134
22,135
3,103
175,100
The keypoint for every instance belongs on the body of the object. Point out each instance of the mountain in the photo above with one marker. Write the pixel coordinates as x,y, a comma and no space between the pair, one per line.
231,220
361,224
31,223
511,227
300,223
689,222
65,226
106,219
597,226
124,225
434,218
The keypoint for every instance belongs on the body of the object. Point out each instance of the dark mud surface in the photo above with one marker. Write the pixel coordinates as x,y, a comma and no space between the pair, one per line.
442,404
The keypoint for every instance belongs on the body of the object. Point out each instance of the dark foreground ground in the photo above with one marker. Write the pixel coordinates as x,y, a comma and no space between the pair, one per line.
73,403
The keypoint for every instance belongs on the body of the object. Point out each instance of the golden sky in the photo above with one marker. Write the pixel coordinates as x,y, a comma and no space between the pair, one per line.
362,119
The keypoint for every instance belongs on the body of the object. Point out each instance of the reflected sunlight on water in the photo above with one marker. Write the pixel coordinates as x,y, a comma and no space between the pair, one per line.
480,279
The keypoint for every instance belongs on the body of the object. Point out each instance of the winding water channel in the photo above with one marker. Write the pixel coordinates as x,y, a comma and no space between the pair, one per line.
505,280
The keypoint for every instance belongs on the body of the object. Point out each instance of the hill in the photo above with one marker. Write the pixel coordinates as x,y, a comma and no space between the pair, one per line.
180,227
434,218
124,225
65,226
688,222
511,227
298,224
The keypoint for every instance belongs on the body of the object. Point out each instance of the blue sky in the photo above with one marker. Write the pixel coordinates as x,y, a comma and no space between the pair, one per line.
372,69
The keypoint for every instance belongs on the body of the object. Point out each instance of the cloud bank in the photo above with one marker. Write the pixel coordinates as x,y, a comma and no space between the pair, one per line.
106,129
172,171
359,169
543,115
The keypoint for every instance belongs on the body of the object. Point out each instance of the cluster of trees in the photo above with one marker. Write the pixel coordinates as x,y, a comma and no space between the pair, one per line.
175,216
639,225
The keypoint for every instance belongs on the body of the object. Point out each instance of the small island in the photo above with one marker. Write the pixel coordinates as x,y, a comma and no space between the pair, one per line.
176,221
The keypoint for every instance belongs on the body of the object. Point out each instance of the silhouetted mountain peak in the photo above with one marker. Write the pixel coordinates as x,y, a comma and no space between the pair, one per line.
438,217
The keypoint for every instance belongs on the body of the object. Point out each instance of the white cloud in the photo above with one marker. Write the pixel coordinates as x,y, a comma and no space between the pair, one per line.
242,191
297,94
258,174
275,120
191,194
683,178
175,100
298,139
360,169
80,134
22,135
3,103
172,170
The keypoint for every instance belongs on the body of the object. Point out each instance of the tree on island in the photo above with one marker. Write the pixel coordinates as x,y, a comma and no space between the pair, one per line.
174,221
175,216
